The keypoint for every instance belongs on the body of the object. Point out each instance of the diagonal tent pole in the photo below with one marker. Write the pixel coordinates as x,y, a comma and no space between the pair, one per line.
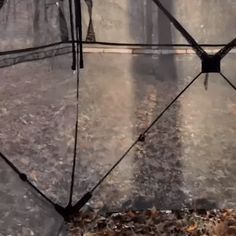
222,53
24,178
228,81
141,138
210,63
226,49
198,49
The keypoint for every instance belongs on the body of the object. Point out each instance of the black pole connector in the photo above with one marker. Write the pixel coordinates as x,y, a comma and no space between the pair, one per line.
68,211
23,177
211,63
142,138
77,207
65,212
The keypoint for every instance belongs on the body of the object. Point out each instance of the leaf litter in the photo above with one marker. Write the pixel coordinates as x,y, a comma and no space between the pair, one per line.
154,222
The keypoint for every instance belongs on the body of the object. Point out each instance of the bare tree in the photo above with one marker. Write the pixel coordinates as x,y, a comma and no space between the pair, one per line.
2,2
90,33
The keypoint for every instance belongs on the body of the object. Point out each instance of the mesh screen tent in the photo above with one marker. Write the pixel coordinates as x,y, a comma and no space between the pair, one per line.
137,60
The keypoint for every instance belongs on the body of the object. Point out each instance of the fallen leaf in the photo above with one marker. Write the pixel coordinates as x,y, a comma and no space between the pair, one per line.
192,228
131,214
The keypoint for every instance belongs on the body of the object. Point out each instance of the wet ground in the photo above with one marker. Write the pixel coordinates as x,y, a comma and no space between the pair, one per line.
188,158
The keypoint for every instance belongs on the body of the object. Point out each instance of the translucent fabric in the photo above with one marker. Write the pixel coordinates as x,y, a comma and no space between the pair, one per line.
23,212
177,164
140,21
188,157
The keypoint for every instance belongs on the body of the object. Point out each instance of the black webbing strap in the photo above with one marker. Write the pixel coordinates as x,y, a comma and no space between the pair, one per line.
78,26
73,67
